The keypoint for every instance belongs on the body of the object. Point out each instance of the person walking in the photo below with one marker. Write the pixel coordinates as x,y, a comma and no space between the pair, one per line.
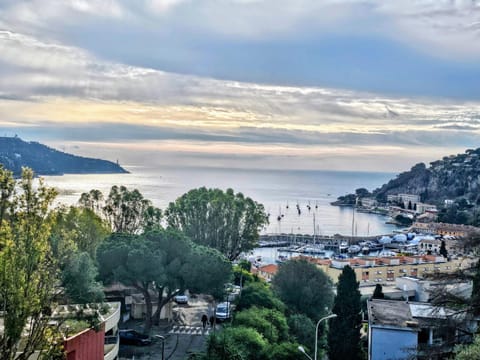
204,321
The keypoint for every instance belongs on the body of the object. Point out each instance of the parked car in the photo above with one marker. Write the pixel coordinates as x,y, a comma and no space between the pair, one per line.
132,337
223,312
181,299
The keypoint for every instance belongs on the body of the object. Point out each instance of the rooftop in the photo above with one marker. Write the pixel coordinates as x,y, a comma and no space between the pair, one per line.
404,314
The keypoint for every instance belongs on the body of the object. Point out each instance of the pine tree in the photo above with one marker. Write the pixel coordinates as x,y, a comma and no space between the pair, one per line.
344,332
378,292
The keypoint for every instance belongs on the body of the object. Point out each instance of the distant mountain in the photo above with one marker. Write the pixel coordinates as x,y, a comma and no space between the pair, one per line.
15,153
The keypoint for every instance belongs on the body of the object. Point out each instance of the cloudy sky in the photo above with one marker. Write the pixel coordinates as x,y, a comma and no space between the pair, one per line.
307,84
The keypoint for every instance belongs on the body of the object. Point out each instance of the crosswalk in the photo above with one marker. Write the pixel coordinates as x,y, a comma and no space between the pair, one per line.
189,330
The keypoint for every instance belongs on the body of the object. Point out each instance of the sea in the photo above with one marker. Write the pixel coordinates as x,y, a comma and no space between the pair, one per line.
278,190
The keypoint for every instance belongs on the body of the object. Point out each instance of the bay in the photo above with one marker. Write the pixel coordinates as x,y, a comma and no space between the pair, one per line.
274,188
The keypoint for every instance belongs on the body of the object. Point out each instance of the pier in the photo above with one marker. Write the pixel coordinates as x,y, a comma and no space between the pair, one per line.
330,242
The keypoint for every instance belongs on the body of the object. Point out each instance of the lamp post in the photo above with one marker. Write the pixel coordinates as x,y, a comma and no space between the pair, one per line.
302,350
163,345
316,331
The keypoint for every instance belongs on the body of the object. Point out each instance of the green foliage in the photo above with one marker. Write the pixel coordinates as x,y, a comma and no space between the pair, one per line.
164,262
260,295
272,324
78,278
221,347
29,273
283,351
302,329
250,342
208,269
304,288
76,229
127,211
241,276
344,331
468,352
133,261
378,292
225,221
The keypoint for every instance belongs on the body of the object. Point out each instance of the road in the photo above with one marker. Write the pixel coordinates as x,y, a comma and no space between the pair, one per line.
187,335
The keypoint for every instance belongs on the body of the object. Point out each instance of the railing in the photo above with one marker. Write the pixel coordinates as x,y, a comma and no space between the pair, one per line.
110,350
113,319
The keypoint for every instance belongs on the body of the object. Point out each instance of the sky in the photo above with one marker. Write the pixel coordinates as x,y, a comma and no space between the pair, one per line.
274,84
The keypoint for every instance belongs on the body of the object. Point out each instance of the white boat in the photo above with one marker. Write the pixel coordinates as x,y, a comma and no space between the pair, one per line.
343,247
354,249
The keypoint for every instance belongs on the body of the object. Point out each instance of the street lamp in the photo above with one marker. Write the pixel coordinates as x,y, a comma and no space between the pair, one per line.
316,331
302,350
163,345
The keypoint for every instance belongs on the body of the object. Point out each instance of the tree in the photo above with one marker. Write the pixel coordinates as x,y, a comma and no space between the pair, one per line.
225,221
344,331
271,324
133,261
303,288
302,329
78,278
443,249
161,264
29,274
378,292
127,211
187,266
79,229
283,351
468,352
251,344
260,295
475,298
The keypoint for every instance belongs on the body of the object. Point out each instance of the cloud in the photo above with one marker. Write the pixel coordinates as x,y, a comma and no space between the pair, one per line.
54,91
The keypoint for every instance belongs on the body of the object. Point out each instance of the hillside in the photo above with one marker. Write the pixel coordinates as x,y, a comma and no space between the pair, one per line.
15,153
454,177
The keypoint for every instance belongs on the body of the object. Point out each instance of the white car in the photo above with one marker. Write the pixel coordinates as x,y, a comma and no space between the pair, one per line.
181,299
224,311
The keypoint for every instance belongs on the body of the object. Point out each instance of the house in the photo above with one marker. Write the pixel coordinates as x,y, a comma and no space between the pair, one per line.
404,330
267,272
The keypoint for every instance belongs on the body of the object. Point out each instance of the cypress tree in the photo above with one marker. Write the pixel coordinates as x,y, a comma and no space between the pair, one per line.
344,331
378,292
443,249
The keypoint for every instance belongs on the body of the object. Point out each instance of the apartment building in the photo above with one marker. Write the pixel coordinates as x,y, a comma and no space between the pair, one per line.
372,270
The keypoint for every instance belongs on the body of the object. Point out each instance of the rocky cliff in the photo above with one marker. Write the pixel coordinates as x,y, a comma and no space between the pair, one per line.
16,153
454,177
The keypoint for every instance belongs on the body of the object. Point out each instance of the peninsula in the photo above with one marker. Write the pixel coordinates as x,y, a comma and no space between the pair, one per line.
16,153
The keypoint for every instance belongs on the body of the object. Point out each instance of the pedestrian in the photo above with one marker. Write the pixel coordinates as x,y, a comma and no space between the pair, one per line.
212,321
204,321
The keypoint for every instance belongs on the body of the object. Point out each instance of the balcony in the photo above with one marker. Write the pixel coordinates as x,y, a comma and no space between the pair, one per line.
112,318
111,347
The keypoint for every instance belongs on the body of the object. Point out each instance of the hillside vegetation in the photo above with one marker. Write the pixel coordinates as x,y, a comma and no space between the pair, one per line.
16,153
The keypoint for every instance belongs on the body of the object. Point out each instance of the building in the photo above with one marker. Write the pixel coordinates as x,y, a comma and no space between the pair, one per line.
444,229
138,307
93,342
384,270
423,290
368,202
404,330
267,272
89,331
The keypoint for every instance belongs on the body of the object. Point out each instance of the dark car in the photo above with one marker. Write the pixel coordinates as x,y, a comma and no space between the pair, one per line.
132,337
